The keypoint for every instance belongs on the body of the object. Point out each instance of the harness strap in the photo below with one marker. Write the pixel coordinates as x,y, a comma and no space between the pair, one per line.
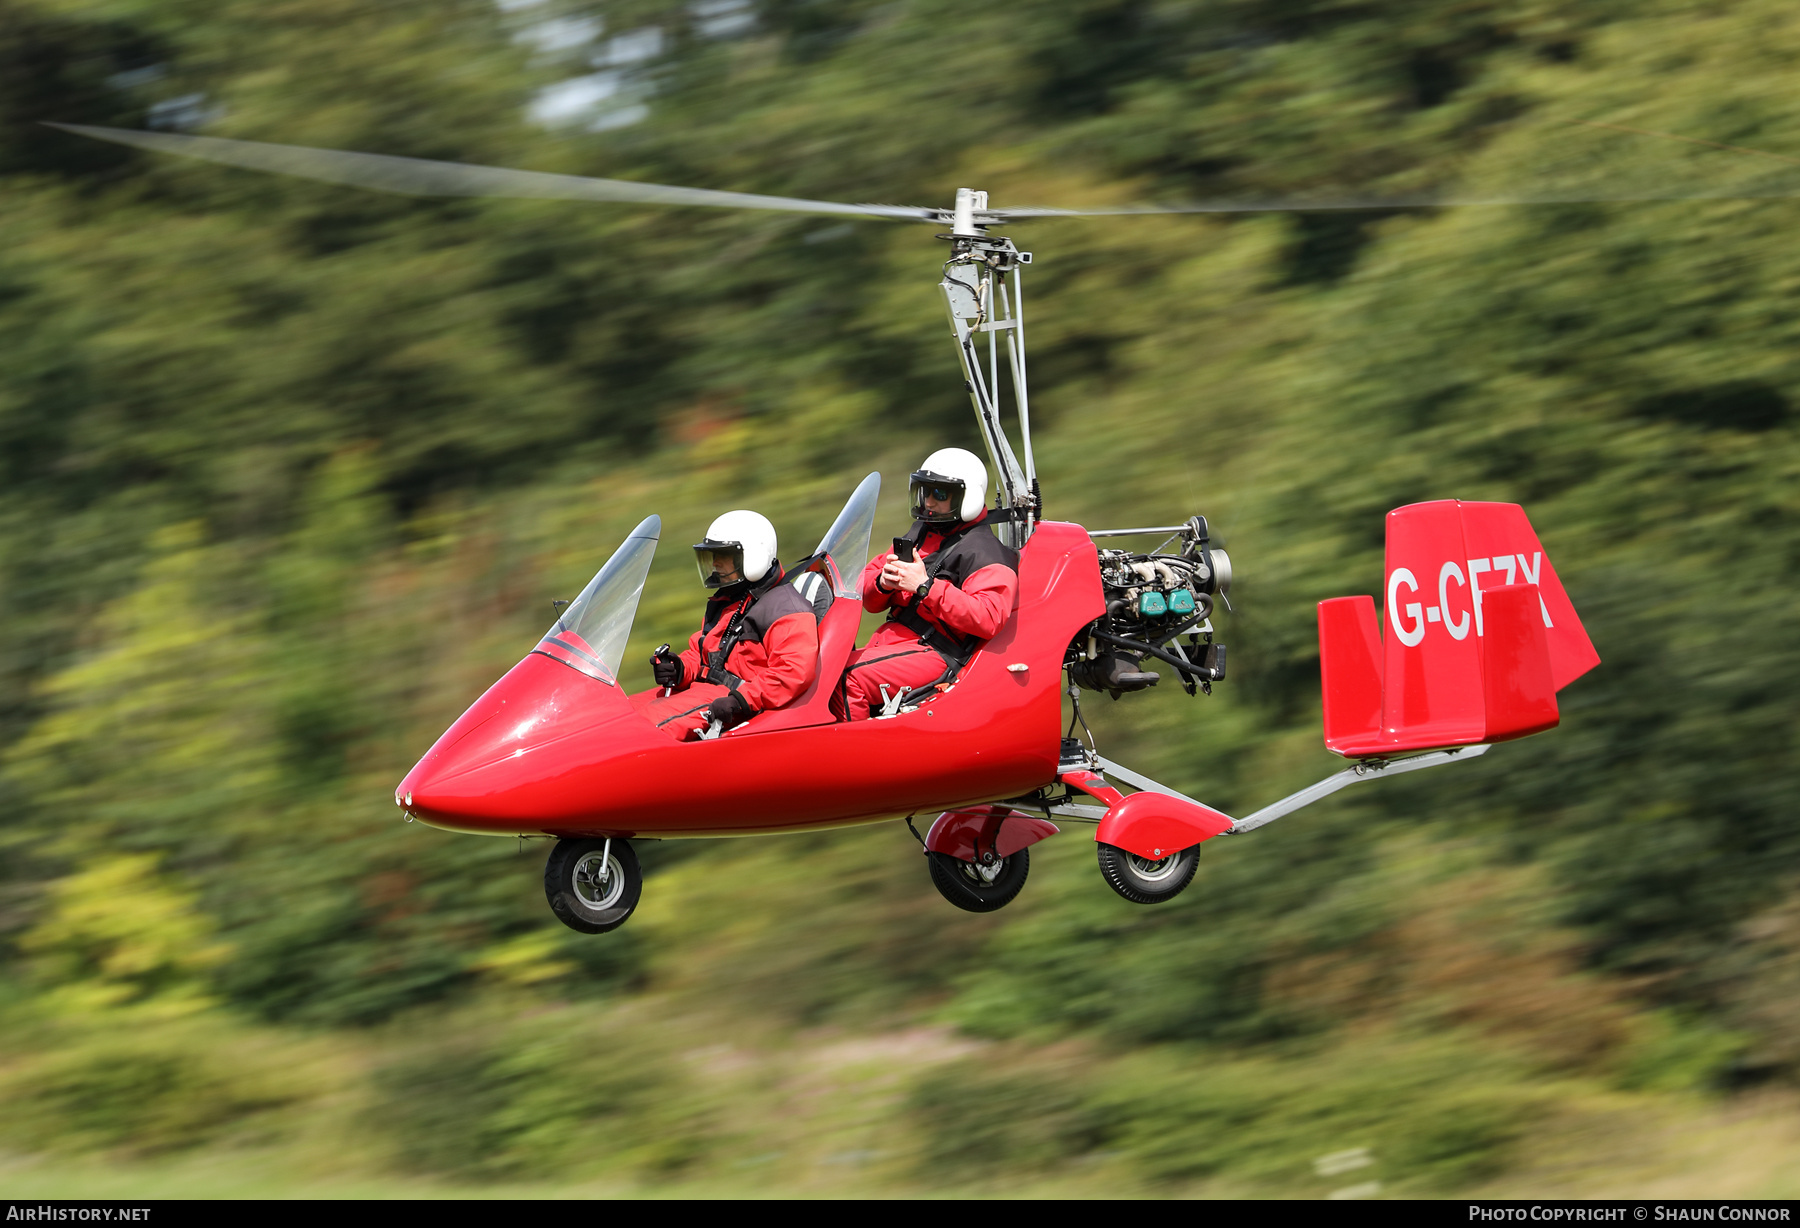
712,668
721,677
954,648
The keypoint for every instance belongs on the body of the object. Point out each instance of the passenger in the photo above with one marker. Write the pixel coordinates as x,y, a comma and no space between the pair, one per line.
758,643
951,597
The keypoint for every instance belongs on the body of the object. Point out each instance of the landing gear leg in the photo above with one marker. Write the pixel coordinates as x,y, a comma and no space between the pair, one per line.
593,885
1144,880
975,887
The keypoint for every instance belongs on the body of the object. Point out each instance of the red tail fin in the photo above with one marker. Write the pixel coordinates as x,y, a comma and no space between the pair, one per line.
1482,662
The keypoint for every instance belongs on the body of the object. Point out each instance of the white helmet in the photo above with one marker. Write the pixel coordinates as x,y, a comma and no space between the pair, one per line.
748,538
953,473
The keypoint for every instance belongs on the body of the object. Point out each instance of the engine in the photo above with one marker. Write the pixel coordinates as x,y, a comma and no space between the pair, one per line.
1153,601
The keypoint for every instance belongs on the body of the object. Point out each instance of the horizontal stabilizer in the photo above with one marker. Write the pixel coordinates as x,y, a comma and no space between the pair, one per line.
1479,636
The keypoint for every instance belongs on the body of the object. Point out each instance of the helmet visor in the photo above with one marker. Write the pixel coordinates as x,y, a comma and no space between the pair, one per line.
720,563
936,499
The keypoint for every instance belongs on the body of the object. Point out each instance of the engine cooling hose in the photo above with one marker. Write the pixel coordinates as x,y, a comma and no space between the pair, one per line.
1186,667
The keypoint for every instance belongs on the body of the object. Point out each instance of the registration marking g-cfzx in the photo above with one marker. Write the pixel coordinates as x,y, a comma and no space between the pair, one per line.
1515,567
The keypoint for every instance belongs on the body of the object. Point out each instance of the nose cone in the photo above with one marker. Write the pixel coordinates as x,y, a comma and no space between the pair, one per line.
505,763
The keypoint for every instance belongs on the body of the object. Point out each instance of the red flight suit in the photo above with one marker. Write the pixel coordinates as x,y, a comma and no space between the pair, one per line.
975,586
773,657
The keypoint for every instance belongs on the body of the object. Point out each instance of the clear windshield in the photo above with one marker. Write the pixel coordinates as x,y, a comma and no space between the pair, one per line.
847,541
591,633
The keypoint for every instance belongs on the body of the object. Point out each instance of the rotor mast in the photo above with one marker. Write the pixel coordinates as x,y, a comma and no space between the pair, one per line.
976,295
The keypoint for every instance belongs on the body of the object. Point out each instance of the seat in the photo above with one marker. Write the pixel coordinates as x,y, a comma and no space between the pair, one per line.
817,590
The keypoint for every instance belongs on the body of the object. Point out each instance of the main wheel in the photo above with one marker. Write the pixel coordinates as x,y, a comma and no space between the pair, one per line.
1145,881
591,888
976,888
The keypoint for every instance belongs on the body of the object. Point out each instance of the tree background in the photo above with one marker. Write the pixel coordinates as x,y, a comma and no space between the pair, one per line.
289,473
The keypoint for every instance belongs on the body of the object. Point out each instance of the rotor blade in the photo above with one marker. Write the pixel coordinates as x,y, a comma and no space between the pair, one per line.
422,177
1302,204
1567,196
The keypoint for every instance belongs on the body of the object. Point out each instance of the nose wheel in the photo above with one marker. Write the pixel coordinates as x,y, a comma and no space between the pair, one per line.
593,885
979,886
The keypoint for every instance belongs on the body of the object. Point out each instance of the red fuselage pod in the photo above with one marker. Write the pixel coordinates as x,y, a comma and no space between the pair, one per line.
555,751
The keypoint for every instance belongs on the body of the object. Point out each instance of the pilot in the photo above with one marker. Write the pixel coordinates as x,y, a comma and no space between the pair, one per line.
758,643
953,595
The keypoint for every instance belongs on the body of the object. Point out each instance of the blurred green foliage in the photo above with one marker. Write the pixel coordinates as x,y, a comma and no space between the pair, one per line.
289,473
535,1100
135,1099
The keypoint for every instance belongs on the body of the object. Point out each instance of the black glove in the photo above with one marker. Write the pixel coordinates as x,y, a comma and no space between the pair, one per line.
730,710
666,666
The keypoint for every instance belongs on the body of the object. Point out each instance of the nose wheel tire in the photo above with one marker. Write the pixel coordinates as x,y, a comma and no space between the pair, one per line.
978,888
1145,880
591,887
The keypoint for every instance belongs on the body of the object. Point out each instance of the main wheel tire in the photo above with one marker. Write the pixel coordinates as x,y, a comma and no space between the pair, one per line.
973,888
1145,881
581,896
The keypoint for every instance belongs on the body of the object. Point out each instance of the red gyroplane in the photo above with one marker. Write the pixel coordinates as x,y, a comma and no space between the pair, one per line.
1480,637
554,748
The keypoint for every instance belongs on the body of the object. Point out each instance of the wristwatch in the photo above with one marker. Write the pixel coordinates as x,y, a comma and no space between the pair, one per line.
919,593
